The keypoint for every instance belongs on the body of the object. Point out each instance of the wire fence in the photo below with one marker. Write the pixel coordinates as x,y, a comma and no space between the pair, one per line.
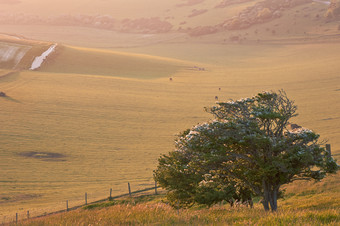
68,206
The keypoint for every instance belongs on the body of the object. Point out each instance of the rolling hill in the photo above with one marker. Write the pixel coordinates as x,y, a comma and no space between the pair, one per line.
18,53
109,130
101,108
21,54
111,63
221,21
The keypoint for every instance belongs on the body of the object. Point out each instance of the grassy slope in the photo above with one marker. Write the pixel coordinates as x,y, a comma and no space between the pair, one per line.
30,48
100,123
102,62
112,129
150,210
104,131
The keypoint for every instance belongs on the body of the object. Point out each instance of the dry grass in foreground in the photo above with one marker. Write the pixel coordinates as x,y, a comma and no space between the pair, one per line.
321,209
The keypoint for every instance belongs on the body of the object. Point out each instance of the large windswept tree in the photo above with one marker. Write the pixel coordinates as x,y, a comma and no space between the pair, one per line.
247,148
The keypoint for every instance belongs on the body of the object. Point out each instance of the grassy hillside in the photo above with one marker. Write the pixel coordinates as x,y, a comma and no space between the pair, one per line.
105,131
18,53
101,109
105,128
299,209
103,62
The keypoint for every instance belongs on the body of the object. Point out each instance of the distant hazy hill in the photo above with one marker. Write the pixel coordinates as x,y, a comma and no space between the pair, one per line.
193,17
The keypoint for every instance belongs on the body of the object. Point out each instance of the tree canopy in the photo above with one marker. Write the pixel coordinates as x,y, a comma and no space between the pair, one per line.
248,148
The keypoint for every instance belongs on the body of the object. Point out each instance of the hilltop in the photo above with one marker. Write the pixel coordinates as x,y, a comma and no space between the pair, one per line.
19,53
224,21
22,54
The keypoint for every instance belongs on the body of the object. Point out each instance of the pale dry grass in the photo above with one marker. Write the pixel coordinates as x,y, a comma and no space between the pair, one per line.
112,129
112,114
157,213
111,63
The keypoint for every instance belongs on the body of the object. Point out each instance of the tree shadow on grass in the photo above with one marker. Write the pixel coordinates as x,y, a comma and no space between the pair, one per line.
8,98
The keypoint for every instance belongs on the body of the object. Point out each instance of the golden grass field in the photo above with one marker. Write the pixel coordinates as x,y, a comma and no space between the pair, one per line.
104,106
111,129
303,208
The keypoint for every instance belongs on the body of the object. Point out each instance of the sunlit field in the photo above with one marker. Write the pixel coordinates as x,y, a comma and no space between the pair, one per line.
108,102
301,208
110,130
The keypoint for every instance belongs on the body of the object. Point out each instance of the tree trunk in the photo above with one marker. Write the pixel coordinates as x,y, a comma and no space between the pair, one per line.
270,193
265,200
274,193
265,204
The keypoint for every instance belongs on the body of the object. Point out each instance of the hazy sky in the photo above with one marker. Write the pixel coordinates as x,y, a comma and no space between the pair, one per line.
116,8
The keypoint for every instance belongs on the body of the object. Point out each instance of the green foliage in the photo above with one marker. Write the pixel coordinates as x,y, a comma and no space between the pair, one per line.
210,191
248,147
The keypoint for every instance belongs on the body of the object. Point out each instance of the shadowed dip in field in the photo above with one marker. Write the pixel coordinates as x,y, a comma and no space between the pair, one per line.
46,156
16,198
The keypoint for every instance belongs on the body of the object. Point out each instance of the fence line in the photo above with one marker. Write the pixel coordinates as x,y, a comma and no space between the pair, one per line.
130,193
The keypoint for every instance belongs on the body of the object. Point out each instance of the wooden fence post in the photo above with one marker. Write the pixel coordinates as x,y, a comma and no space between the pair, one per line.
129,188
130,193
85,198
155,187
328,148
